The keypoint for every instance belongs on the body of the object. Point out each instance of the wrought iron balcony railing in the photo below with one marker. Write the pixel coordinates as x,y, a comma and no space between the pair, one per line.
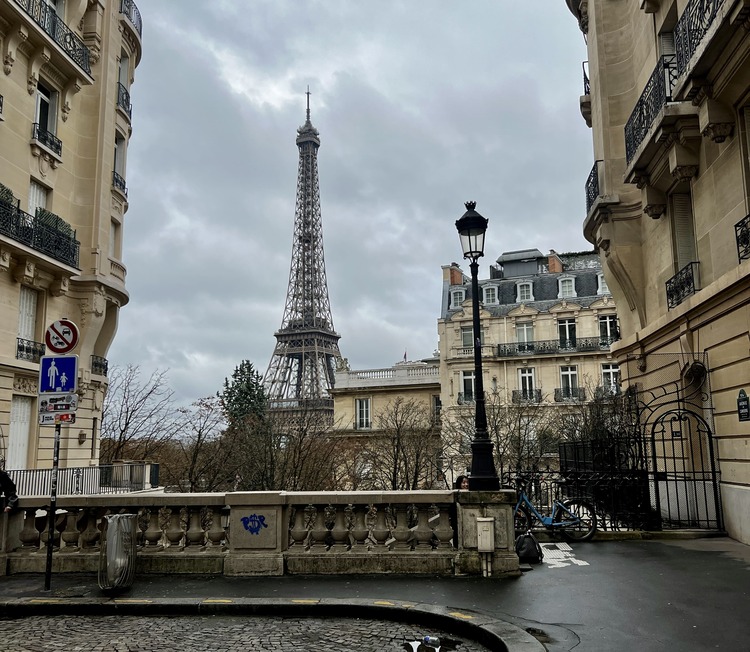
551,347
527,396
563,394
682,285
1,107
604,392
742,233
465,398
99,365
47,138
586,82
592,186
119,183
128,8
48,236
29,350
655,96
44,15
692,27
123,100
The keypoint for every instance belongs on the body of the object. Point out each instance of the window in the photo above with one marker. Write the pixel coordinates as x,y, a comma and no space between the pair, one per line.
457,298
524,292
38,196
490,294
610,378
525,335
123,72
46,108
467,337
114,240
526,383
566,287
119,161
566,329
602,285
683,230
437,407
20,427
27,311
569,382
362,418
467,383
608,331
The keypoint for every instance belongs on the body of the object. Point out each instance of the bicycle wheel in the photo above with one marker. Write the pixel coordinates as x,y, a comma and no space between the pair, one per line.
522,520
582,517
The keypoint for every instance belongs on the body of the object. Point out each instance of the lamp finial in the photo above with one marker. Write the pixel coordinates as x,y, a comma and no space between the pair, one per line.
470,205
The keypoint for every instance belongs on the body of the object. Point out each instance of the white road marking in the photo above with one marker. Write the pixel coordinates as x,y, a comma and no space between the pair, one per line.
560,555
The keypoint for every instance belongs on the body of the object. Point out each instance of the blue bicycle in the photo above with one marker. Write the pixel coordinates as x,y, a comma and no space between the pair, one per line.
574,518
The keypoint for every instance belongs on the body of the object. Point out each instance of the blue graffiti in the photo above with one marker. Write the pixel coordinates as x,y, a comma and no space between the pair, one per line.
254,523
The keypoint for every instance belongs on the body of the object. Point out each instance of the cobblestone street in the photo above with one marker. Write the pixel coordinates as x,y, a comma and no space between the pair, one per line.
215,634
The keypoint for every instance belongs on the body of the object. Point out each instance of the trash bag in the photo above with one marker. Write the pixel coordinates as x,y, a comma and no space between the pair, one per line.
528,549
117,556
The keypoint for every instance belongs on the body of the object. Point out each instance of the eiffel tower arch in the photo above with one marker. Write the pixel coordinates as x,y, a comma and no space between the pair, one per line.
301,371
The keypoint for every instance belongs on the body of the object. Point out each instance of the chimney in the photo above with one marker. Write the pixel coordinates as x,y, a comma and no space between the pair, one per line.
453,274
554,264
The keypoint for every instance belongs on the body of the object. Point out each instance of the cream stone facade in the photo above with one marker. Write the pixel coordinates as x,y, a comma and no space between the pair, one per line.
547,323
64,128
668,100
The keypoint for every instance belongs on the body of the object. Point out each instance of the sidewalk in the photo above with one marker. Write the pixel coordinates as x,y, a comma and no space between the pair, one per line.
690,595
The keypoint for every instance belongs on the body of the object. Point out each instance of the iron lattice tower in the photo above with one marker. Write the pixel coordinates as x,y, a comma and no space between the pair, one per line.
301,371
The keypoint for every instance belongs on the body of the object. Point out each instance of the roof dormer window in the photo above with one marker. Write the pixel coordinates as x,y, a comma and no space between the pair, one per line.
490,294
524,292
566,287
457,298
602,285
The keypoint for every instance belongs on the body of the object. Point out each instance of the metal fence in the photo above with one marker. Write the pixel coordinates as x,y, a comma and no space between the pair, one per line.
93,480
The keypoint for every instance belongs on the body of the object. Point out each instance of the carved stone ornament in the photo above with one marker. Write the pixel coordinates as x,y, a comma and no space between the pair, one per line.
4,260
46,160
25,384
685,172
655,211
583,12
719,131
36,61
59,286
12,40
640,362
650,6
25,272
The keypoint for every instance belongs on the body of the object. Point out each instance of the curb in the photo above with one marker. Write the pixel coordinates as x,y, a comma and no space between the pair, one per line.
491,632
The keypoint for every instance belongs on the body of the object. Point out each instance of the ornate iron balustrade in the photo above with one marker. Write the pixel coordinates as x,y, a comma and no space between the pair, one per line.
682,285
465,398
551,347
47,138
742,234
45,16
119,183
99,365
40,234
1,105
123,100
128,8
592,186
655,96
563,394
29,350
527,396
692,27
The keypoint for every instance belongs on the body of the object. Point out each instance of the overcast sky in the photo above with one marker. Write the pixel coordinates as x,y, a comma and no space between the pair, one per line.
421,105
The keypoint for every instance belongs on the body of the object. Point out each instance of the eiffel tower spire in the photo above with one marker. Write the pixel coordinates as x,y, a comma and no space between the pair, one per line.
301,370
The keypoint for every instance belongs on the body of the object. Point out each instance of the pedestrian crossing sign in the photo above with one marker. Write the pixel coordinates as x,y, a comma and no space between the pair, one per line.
58,373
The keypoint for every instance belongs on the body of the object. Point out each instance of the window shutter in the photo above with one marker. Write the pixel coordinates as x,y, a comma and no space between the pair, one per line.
37,197
27,313
18,441
684,235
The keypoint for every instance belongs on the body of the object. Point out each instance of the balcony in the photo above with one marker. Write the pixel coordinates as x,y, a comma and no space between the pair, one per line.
568,394
46,138
742,234
44,16
691,28
45,232
29,350
488,350
129,10
654,98
682,285
606,392
99,365
118,478
465,398
592,187
526,396
118,183
123,100
585,100
553,347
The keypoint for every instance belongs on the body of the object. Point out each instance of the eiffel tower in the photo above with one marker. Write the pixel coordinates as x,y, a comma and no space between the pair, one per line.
301,370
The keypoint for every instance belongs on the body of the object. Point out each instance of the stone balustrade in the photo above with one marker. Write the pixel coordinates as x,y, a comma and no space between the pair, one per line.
270,533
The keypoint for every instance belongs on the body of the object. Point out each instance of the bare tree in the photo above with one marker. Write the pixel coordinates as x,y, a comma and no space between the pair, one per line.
139,415
402,451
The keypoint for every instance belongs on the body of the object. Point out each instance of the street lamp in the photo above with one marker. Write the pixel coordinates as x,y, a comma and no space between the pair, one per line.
471,229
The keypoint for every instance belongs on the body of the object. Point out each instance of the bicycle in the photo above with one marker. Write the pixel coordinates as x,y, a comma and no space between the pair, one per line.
574,518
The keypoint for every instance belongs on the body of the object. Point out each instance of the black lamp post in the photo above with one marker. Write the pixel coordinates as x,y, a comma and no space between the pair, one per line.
471,229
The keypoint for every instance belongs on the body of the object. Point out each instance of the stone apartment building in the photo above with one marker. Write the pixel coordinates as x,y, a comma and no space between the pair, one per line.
65,122
667,97
548,323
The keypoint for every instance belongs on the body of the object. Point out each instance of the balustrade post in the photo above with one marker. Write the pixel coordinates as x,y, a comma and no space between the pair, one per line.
90,534
339,531
153,532
194,534
174,531
299,532
401,533
319,531
360,530
422,531
70,534
29,535
380,531
443,530
215,534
